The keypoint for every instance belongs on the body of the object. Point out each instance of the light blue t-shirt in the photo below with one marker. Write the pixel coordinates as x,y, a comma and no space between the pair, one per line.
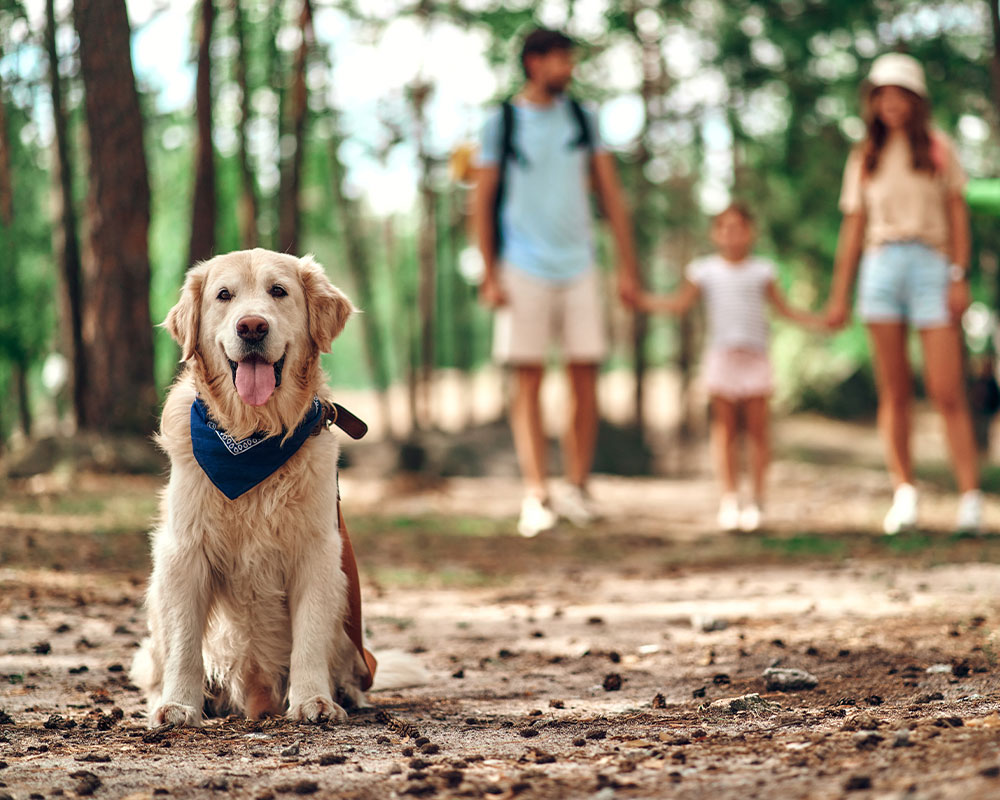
545,219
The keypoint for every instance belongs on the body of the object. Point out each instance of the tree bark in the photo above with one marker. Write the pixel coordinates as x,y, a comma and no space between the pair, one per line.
65,235
203,203
360,264
426,252
652,77
291,168
995,60
119,393
6,180
248,207
20,374
18,366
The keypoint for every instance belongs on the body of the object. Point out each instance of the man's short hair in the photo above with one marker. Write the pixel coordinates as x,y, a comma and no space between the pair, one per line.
542,41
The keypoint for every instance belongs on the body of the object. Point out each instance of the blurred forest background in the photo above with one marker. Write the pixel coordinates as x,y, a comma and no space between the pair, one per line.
137,138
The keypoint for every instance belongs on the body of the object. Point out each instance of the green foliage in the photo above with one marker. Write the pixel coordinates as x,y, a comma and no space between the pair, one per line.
789,103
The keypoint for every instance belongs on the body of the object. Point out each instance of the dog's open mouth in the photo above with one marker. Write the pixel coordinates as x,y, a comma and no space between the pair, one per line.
256,379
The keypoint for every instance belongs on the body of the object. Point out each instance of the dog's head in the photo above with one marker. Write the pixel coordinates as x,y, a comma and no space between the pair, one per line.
253,323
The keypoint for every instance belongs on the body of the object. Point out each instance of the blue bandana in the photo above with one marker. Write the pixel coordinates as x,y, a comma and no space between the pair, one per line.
236,466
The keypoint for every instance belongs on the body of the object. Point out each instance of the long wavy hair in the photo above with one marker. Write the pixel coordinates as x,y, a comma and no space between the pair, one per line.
917,130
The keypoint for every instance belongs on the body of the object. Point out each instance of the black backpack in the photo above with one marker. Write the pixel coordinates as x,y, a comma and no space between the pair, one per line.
507,152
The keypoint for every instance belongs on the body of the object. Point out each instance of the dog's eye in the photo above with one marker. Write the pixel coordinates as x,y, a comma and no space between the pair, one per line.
224,295
278,291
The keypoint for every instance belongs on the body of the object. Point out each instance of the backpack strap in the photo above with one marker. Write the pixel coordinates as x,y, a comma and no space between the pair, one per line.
506,153
585,137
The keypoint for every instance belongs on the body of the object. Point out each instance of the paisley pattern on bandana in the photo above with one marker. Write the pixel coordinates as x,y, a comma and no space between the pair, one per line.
235,466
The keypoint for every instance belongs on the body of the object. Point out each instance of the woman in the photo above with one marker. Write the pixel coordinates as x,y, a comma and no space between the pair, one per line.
904,209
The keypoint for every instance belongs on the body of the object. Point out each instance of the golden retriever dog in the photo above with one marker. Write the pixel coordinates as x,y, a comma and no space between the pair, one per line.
253,602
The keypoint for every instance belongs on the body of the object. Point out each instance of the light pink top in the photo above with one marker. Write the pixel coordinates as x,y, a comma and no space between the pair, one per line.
902,204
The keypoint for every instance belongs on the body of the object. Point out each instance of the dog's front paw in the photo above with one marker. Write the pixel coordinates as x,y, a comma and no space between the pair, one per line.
175,715
317,709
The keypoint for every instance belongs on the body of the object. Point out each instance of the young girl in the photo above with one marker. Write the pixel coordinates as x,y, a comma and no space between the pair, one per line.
903,205
737,287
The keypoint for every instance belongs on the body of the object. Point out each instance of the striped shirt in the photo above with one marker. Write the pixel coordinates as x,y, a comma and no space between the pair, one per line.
735,299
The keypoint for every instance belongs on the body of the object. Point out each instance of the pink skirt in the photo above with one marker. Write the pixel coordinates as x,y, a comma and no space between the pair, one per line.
738,374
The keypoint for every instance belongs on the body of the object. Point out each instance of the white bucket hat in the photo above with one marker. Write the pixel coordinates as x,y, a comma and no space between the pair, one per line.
897,69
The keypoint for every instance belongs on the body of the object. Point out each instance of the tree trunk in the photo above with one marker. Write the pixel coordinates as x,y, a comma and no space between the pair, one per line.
19,371
995,59
249,235
462,300
119,393
203,205
360,264
291,166
6,180
65,236
426,251
653,73
10,269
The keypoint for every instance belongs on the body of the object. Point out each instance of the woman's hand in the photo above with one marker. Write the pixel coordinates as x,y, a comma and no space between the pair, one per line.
959,298
837,313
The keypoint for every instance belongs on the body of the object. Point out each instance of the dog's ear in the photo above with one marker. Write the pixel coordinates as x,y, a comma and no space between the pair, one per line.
183,320
329,307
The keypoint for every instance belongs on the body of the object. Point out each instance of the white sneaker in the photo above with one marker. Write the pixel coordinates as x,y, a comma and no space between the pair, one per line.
903,514
970,512
751,518
729,513
536,517
576,505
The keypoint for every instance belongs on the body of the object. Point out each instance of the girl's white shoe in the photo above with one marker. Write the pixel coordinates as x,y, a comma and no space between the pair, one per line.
751,518
729,513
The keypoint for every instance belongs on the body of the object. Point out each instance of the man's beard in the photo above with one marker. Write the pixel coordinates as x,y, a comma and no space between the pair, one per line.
556,88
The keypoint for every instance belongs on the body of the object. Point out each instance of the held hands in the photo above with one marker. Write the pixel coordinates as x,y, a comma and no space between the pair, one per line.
629,290
836,315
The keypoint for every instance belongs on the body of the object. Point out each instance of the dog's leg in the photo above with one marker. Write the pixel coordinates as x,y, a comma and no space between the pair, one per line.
178,608
316,604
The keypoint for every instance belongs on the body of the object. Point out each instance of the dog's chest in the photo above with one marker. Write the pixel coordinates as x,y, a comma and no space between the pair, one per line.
274,526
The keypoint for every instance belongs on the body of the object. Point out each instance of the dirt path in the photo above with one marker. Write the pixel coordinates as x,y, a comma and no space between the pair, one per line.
523,698
579,664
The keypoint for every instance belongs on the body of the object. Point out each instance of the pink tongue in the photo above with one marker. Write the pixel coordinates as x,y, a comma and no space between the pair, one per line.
255,381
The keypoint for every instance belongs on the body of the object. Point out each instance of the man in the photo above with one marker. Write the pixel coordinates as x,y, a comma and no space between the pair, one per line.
540,158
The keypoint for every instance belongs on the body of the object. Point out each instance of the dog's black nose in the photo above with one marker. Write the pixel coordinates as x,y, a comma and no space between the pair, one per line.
252,329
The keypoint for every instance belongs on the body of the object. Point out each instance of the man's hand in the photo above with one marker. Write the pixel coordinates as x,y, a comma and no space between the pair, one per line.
491,293
628,288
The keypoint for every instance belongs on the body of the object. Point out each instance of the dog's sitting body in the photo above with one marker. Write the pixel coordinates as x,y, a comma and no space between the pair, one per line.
248,599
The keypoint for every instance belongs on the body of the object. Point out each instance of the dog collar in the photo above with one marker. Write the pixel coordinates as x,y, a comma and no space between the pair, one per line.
235,466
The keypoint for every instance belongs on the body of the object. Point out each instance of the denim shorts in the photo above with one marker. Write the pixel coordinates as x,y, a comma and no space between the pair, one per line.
904,282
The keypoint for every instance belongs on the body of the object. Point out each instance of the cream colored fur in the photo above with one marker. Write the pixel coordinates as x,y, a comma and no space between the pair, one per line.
247,599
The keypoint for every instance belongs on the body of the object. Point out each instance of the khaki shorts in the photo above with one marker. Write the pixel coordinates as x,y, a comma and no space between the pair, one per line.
541,314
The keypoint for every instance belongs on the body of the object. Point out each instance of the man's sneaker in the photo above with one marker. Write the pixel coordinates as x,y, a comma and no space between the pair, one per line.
536,517
576,505
970,512
751,518
903,514
729,513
